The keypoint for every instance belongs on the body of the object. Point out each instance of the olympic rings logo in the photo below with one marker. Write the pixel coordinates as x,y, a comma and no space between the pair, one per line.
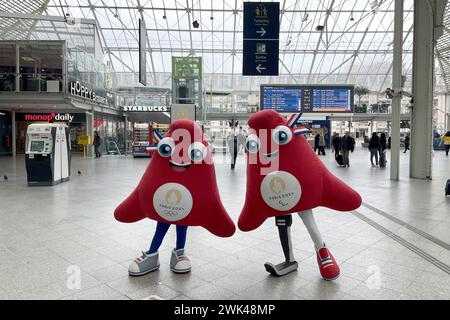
170,213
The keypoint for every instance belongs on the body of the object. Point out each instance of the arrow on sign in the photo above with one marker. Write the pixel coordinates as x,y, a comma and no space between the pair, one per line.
259,68
262,32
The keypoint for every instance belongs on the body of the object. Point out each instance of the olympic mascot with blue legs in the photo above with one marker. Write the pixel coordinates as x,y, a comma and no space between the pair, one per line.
284,176
178,188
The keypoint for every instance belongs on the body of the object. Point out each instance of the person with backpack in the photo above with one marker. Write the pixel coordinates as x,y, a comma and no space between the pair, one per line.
347,146
97,142
446,139
374,148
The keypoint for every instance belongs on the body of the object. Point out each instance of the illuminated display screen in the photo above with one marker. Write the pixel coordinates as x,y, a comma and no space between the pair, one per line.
37,146
308,99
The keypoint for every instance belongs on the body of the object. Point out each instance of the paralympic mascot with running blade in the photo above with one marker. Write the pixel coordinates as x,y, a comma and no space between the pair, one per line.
285,176
179,187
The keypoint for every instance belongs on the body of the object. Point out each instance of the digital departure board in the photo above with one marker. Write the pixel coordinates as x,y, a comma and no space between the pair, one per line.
307,99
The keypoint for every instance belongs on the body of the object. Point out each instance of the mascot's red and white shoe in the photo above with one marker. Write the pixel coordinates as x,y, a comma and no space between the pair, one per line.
328,266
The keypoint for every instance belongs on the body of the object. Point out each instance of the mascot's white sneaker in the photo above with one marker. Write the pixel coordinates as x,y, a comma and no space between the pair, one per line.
144,264
179,262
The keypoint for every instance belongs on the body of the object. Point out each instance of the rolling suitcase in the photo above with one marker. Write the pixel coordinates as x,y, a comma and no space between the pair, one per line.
339,159
447,188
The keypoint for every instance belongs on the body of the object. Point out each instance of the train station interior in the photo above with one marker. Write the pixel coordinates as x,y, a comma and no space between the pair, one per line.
224,150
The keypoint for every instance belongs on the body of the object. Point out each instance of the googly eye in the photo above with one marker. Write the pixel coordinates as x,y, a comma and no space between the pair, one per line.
166,147
197,152
282,135
252,143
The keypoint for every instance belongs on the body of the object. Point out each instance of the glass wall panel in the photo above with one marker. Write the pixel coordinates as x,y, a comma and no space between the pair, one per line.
112,131
7,67
41,66
90,72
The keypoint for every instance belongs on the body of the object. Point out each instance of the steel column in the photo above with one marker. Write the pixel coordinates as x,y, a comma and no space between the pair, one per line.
423,82
397,86
447,112
13,134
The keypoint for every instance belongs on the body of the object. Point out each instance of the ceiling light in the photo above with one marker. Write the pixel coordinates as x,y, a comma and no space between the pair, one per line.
289,42
305,17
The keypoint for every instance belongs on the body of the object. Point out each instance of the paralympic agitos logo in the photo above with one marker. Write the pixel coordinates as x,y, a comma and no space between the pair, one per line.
66,117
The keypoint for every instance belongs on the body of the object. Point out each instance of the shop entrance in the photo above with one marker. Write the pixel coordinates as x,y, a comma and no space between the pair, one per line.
21,136
76,130
77,127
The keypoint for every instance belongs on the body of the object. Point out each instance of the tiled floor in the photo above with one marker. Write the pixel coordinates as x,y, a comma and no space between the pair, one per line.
50,235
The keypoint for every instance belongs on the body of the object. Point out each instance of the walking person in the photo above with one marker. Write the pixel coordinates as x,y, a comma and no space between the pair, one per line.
347,146
446,139
374,147
241,137
232,142
383,142
407,143
336,142
316,143
383,148
321,145
97,143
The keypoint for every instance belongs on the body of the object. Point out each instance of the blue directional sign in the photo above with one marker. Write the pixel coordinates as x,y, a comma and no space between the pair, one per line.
261,38
260,58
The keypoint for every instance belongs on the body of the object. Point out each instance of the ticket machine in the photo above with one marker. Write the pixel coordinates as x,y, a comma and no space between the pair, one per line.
48,154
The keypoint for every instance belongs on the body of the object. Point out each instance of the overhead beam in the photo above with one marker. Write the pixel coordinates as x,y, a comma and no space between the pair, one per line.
301,51
223,10
99,30
357,52
325,27
148,46
29,16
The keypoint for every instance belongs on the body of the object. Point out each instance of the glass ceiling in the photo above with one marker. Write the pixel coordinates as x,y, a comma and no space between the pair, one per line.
355,46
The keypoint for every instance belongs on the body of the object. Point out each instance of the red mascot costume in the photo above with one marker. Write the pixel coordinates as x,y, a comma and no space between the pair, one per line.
179,187
285,176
